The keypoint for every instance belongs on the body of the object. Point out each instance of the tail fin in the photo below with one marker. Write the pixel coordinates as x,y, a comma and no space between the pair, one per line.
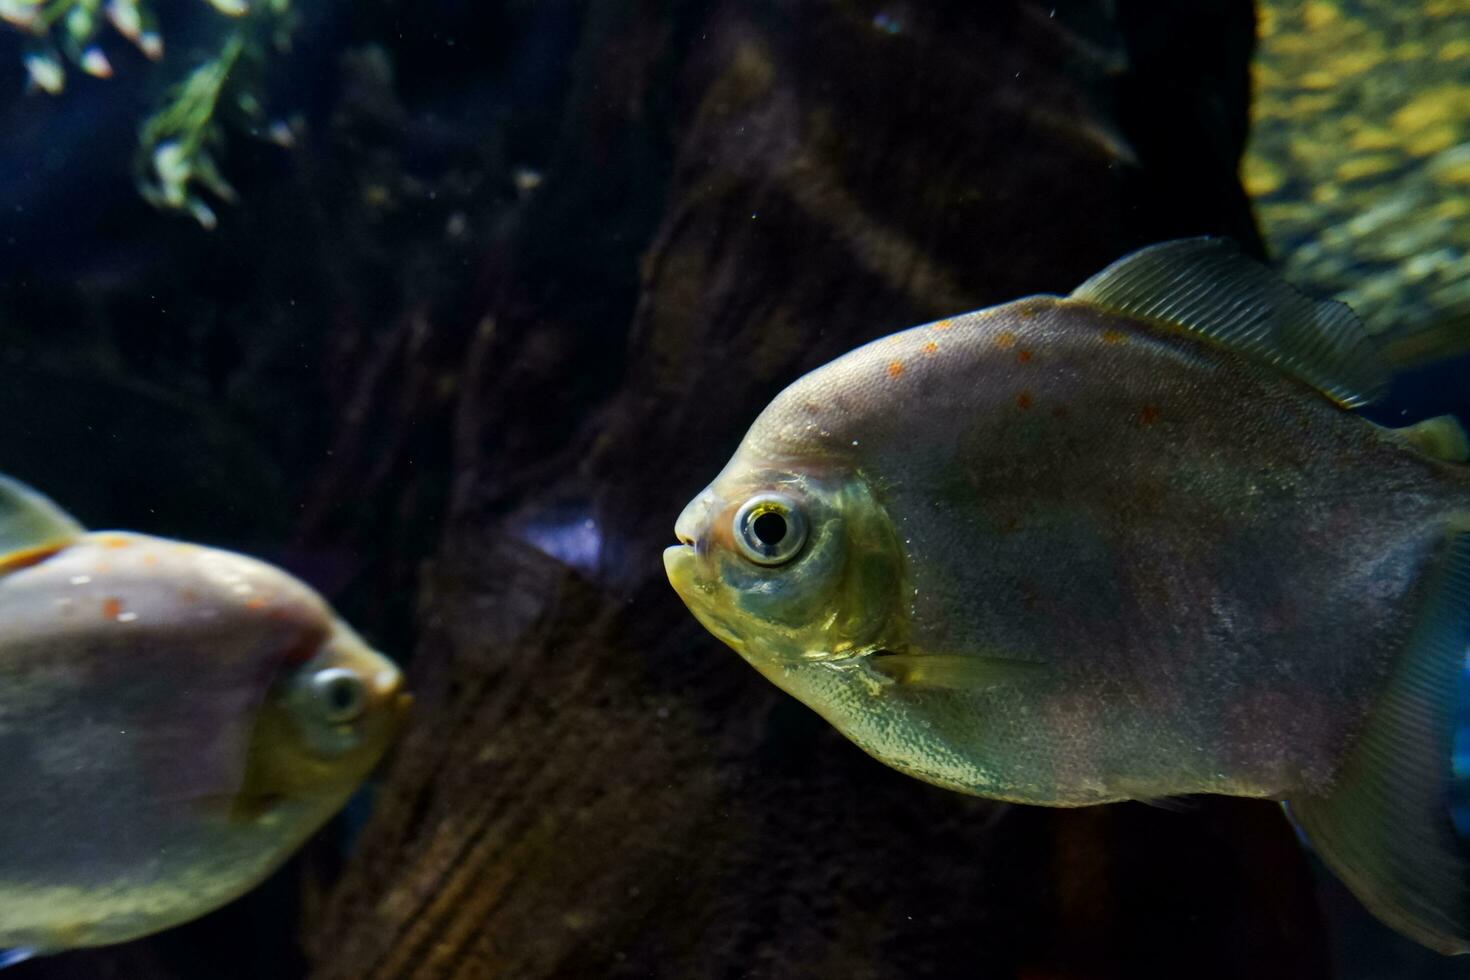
1384,828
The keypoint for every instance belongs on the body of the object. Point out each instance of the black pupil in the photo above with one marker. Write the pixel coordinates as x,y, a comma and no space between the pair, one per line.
342,695
769,528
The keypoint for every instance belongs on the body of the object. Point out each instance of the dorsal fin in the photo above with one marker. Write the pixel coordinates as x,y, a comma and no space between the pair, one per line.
1207,287
30,522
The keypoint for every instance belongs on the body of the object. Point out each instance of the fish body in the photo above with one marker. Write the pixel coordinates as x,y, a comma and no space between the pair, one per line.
1074,550
1084,492
175,721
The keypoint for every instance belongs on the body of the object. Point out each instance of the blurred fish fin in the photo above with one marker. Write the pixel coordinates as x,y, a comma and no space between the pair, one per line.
1442,437
1384,827
30,522
10,957
1206,287
953,672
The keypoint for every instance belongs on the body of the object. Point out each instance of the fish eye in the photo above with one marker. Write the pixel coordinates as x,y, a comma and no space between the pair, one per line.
770,529
339,694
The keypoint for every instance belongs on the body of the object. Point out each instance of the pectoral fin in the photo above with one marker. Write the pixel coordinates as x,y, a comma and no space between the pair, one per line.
30,522
954,672
1384,827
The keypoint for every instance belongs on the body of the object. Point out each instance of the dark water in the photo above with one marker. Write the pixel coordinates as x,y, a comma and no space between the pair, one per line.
458,354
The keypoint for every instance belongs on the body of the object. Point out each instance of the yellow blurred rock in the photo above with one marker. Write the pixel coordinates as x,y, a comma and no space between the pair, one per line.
1370,165
1354,62
1456,174
1359,156
1430,141
1454,50
1443,104
1373,138
1308,105
1318,14
1260,177
1452,208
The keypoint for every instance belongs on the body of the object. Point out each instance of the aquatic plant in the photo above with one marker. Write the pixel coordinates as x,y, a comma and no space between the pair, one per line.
176,145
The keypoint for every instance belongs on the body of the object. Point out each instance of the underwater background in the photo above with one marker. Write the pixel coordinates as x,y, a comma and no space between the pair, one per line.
483,293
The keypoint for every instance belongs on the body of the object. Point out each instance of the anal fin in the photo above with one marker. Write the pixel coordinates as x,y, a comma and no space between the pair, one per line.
1384,827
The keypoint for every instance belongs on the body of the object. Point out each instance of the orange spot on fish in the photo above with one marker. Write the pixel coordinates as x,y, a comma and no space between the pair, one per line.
255,602
188,595
1022,356
113,541
102,567
1023,400
1148,415
1111,336
930,347
111,608
1005,340
944,325
895,368
149,559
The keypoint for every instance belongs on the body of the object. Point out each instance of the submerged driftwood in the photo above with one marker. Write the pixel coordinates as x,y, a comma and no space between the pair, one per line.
733,193
594,786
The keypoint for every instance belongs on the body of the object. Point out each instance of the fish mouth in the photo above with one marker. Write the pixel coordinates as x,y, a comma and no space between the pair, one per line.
680,560
679,566
390,691
680,563
386,683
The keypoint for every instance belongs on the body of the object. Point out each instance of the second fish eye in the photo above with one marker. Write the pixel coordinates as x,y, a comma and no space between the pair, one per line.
770,529
340,694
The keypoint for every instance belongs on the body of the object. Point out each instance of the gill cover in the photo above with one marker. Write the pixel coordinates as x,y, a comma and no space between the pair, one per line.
790,567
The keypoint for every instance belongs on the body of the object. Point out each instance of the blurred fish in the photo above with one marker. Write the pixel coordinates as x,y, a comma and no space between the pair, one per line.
174,722
1125,544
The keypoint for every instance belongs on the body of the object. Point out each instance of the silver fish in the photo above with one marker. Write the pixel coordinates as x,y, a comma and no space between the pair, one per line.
175,721
1125,544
